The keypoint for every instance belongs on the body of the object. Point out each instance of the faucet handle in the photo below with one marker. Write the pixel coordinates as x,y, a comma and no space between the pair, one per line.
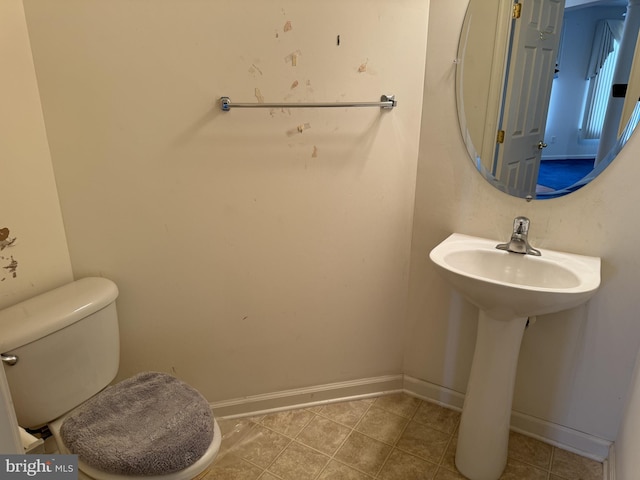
519,242
521,225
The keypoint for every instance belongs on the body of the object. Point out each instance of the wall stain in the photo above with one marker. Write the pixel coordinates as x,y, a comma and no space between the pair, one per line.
315,152
274,111
287,26
11,268
258,95
299,129
366,68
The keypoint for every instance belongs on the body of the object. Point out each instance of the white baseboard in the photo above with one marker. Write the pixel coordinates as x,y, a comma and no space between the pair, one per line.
558,435
433,393
306,397
554,434
610,464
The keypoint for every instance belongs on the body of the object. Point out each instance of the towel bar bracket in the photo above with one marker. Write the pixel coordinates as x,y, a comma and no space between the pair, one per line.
387,102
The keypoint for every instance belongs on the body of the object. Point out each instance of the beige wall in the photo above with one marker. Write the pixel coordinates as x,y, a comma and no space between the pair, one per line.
33,254
247,264
255,250
575,367
628,440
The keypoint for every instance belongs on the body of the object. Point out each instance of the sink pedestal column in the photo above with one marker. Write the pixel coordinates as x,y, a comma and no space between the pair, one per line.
484,426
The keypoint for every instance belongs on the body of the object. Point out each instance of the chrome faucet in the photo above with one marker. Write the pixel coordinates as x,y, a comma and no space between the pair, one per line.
519,242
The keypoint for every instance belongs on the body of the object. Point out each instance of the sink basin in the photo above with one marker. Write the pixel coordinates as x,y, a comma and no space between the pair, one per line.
509,285
508,288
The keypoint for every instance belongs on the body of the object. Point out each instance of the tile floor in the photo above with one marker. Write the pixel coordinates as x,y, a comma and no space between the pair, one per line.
394,437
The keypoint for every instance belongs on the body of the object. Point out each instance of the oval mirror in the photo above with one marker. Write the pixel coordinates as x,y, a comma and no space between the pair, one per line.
547,92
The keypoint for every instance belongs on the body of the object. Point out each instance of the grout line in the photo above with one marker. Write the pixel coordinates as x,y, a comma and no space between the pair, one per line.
265,469
553,454
332,457
291,440
394,445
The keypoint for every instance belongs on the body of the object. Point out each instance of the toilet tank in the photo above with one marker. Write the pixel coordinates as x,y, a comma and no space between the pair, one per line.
67,345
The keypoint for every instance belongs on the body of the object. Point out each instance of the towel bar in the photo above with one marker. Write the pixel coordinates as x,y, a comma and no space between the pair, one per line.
387,102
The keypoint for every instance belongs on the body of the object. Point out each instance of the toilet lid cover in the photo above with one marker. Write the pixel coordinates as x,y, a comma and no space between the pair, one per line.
149,424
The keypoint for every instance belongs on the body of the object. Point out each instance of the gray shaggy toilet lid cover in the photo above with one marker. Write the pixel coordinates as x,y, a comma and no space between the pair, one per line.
149,424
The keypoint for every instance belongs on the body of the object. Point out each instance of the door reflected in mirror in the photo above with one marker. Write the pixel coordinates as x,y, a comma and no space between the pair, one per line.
547,93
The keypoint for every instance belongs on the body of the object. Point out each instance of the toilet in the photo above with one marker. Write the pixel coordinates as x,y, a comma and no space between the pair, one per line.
60,352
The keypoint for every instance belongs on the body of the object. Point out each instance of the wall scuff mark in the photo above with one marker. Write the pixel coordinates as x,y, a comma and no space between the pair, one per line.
253,69
5,242
11,268
292,58
299,129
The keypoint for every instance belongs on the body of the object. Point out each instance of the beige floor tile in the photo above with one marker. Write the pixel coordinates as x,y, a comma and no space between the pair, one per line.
261,446
401,465
324,435
423,441
298,462
347,413
268,476
298,445
399,403
338,471
232,467
529,450
234,432
228,426
382,425
570,466
363,453
289,423
437,417
449,459
445,474
516,470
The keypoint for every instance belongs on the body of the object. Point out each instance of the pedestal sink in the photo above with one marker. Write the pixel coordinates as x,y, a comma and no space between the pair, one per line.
508,288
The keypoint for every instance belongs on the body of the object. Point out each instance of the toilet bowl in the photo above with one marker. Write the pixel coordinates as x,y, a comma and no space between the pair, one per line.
60,353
